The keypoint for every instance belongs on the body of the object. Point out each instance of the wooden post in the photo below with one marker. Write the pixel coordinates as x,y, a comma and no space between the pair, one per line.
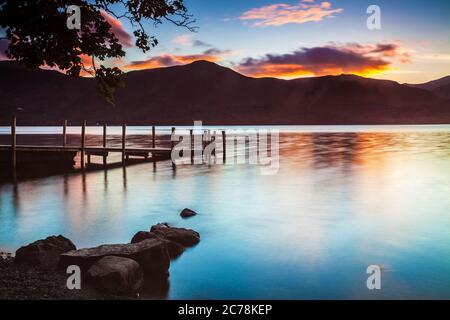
83,141
191,134
65,133
153,137
224,146
172,137
214,140
104,144
124,133
172,145
204,141
13,143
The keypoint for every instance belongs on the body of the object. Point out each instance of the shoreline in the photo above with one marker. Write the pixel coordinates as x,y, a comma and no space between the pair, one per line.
140,269
19,282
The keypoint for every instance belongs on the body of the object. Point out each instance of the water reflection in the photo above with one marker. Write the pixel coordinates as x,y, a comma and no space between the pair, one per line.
340,202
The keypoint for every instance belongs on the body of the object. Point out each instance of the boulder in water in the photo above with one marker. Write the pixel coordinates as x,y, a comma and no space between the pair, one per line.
116,275
151,254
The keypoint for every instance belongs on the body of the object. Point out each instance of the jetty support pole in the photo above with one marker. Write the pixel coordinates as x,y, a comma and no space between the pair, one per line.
204,142
153,137
224,146
13,143
83,142
172,145
124,134
191,134
213,139
64,142
104,144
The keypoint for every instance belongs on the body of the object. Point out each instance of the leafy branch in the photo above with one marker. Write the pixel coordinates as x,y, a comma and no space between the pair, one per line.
38,36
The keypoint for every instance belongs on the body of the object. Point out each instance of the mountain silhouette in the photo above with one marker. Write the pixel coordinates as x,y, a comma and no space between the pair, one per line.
440,87
216,95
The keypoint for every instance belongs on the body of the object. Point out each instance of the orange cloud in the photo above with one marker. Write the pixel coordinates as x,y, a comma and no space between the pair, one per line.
388,50
168,60
117,28
333,59
89,71
280,14
87,63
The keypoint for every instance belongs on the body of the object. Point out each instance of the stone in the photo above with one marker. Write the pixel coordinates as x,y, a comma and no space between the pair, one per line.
174,249
144,235
187,213
44,253
151,254
116,275
185,237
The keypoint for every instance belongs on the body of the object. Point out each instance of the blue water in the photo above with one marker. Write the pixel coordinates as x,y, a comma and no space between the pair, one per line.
344,198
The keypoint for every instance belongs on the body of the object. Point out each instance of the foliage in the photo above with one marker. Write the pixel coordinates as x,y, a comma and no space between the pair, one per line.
38,36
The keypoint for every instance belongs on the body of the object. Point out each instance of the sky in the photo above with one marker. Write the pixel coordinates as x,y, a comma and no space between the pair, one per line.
303,38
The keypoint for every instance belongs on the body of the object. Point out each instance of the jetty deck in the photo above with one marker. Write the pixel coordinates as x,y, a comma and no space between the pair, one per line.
64,155
99,150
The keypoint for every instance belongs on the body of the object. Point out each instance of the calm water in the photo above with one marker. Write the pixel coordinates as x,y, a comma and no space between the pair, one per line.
344,198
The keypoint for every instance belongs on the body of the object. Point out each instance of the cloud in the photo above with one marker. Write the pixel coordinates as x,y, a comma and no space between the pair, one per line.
199,43
186,40
168,60
390,50
332,59
117,28
86,60
281,13
433,57
218,52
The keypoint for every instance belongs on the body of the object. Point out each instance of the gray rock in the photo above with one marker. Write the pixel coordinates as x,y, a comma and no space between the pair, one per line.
185,237
44,253
187,213
175,249
151,254
116,275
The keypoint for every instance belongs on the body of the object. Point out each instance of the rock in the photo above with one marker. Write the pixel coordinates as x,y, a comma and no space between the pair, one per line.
174,248
143,235
186,213
185,237
151,254
44,253
116,275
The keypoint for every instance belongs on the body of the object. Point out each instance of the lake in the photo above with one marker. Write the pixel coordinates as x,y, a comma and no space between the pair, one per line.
344,198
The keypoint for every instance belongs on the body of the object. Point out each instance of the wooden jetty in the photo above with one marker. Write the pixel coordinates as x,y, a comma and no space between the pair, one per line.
64,155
